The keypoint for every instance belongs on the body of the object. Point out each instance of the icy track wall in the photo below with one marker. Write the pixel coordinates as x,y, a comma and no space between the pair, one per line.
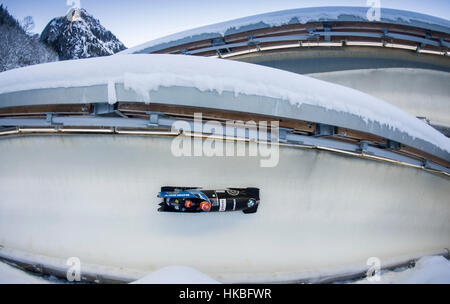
94,197
419,92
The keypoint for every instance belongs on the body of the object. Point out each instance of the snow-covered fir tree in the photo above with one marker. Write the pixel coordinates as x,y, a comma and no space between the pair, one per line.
19,48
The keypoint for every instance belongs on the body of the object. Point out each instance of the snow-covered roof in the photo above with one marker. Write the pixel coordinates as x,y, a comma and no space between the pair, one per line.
215,83
293,16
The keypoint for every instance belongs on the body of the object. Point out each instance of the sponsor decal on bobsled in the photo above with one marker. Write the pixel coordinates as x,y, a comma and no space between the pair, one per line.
190,199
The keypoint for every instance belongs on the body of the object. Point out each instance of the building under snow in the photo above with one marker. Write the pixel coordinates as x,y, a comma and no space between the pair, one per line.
402,58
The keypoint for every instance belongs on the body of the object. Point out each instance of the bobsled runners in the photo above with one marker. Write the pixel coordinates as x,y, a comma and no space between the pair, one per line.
193,199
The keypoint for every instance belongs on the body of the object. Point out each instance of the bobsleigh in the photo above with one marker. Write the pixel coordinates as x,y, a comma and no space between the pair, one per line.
193,199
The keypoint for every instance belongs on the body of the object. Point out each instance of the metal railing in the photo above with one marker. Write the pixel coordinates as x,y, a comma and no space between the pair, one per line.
161,124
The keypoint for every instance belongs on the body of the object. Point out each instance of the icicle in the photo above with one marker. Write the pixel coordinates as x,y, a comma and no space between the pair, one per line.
112,97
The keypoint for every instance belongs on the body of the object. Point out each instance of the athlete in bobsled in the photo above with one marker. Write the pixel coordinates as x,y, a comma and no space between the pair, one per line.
192,199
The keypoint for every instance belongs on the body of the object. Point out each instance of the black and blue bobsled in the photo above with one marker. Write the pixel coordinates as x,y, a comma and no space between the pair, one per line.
193,199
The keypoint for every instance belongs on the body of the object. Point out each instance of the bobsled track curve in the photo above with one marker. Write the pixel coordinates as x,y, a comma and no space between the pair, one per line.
94,197
420,92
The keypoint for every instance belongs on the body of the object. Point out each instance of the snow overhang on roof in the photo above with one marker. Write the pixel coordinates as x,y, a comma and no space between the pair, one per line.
293,16
216,84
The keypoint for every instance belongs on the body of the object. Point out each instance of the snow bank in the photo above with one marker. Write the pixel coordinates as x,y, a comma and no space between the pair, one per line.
176,275
428,270
293,16
146,73
11,275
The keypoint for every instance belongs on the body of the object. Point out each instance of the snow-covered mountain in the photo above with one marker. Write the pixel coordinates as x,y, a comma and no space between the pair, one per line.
81,37
19,48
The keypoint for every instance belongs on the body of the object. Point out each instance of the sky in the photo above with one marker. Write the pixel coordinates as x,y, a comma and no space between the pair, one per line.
138,21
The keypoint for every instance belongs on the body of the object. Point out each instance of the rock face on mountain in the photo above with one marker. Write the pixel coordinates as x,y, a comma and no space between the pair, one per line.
80,36
18,47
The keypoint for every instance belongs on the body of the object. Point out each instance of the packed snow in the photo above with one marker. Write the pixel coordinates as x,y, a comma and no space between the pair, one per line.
293,16
13,275
427,270
144,73
176,275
